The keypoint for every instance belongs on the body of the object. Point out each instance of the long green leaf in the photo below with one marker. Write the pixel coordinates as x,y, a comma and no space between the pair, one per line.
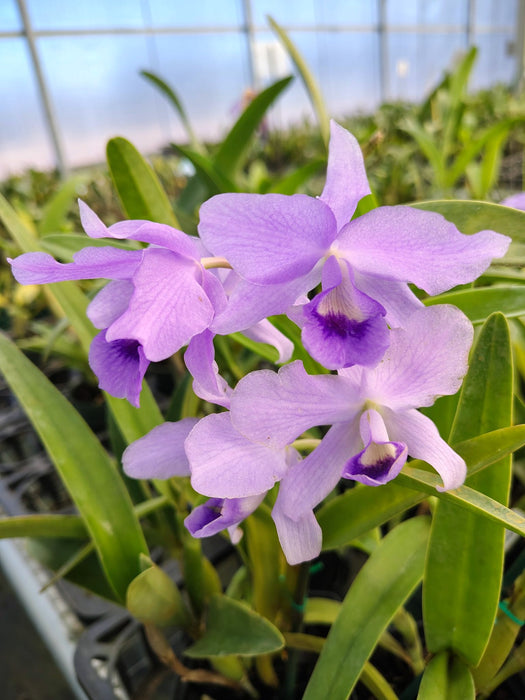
428,146
228,157
87,472
291,183
472,216
466,498
445,678
56,209
465,559
384,583
312,88
70,526
170,93
206,170
138,187
349,516
479,304
457,87
496,132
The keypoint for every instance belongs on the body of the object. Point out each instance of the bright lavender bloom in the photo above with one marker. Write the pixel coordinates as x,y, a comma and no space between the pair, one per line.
373,418
281,243
157,300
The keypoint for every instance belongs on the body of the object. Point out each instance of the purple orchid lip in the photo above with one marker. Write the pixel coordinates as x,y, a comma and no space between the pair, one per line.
381,460
120,366
377,464
342,326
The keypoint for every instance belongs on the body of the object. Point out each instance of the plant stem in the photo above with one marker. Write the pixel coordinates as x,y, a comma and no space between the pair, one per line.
298,576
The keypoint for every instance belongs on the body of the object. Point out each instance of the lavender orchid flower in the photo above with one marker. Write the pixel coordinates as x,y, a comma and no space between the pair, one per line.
373,418
283,246
157,301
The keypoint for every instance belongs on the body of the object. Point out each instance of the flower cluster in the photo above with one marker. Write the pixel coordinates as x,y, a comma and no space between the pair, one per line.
347,281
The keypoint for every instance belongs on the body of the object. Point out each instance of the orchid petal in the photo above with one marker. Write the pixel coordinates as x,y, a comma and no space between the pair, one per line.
119,365
341,325
268,238
160,453
418,246
396,297
381,460
224,464
300,538
424,442
214,290
139,230
89,263
200,361
168,306
275,408
220,513
109,303
346,181
265,332
308,482
426,359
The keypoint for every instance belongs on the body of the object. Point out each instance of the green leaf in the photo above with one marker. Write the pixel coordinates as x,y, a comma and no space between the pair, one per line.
19,232
446,678
170,93
69,526
85,468
456,90
430,149
262,349
291,183
152,597
228,157
347,517
383,584
264,554
492,134
321,611
312,88
465,548
360,509
206,170
138,187
466,498
479,304
56,209
233,628
472,216
59,554
370,676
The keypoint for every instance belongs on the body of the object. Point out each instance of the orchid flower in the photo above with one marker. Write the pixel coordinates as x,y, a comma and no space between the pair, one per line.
157,300
373,418
283,246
